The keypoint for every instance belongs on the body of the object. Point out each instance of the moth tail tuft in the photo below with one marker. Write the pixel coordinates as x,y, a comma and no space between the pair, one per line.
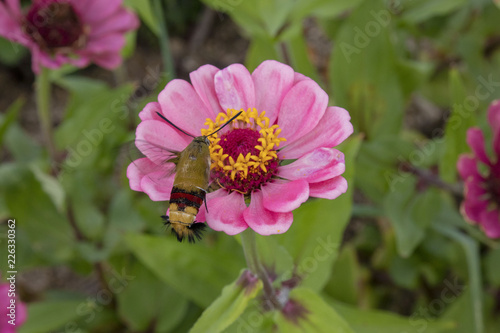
196,231
192,232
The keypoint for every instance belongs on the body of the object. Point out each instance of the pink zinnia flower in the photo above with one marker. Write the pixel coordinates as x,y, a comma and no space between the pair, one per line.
68,31
285,117
482,177
15,313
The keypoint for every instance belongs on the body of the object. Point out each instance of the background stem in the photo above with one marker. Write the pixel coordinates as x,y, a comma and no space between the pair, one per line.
253,262
43,92
473,266
166,53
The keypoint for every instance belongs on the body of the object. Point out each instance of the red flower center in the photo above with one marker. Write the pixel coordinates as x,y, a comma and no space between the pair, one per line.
493,188
244,157
54,24
240,141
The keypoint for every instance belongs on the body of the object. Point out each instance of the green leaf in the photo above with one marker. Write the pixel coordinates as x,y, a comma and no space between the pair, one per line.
317,317
379,160
460,120
408,234
49,316
156,301
275,257
363,81
404,272
315,235
259,17
245,13
52,187
325,8
10,52
88,121
260,49
22,147
376,321
253,319
346,277
123,217
492,267
411,213
229,305
462,313
49,232
298,51
417,11
145,11
194,271
9,117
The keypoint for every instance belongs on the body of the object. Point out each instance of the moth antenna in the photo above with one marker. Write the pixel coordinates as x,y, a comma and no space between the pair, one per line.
168,121
227,122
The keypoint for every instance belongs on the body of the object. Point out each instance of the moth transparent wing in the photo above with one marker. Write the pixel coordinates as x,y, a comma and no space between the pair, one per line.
161,162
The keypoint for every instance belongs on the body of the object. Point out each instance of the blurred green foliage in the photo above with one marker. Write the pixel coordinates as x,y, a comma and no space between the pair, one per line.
408,250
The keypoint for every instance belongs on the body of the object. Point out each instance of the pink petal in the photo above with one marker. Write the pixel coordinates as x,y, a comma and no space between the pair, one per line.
121,21
472,208
225,213
494,120
202,213
490,223
474,188
109,60
234,87
155,139
137,170
475,140
202,80
94,11
272,81
21,313
10,26
332,129
302,108
328,189
149,112
79,61
103,44
299,77
467,167
264,221
283,197
5,302
40,58
158,185
183,107
318,165
15,8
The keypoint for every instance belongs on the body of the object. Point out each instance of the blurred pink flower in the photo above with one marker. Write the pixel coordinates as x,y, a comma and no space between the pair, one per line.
482,177
18,315
68,31
248,155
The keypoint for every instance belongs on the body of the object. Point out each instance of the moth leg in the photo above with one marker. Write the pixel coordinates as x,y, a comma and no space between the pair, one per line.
205,199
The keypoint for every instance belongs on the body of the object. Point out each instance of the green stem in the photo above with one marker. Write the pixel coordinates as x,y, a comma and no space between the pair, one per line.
166,53
283,50
249,245
250,250
43,91
472,256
